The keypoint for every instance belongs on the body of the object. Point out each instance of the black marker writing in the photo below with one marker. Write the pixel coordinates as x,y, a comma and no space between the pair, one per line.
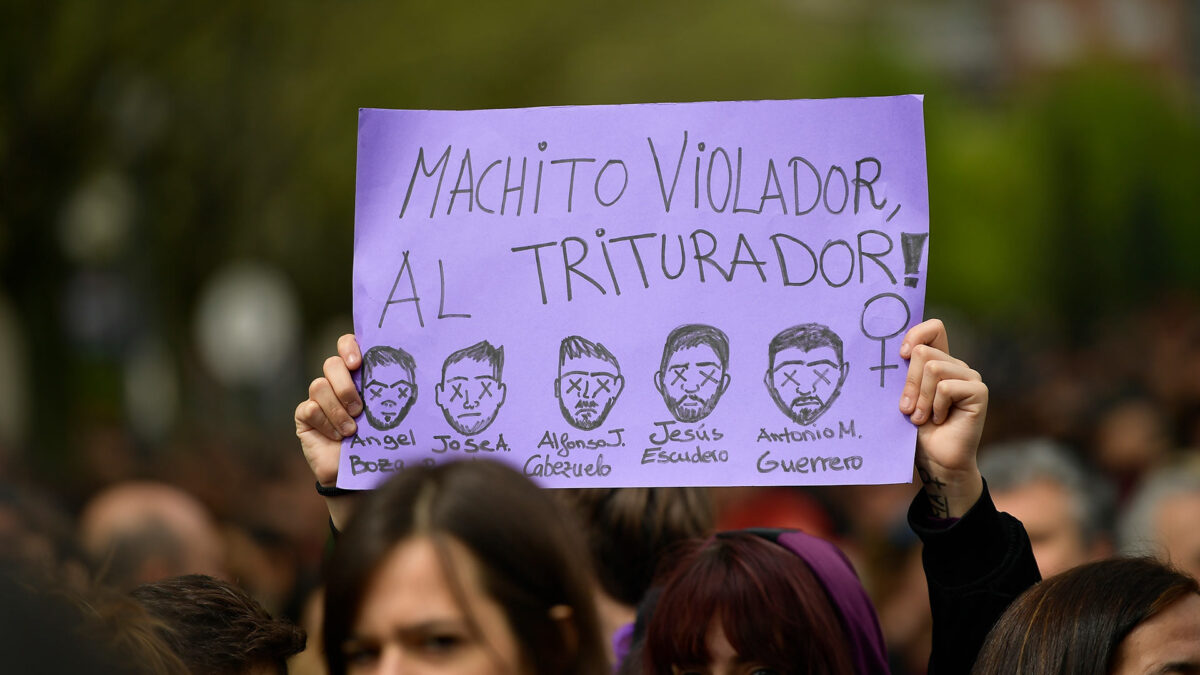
696,456
727,175
544,466
708,258
469,446
670,433
359,465
812,464
396,296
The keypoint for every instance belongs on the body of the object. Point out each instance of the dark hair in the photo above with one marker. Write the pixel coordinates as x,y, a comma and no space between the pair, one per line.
382,355
806,336
573,346
631,532
216,627
1075,621
48,627
480,351
691,335
132,633
771,606
37,536
529,558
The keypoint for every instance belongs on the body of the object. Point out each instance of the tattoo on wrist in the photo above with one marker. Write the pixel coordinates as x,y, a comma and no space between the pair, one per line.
933,491
929,480
938,505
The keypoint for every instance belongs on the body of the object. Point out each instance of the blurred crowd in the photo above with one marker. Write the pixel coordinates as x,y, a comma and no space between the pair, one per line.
1091,441
171,176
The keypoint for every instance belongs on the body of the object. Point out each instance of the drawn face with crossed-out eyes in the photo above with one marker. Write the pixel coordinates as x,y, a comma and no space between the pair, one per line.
693,376
388,390
805,379
470,393
587,387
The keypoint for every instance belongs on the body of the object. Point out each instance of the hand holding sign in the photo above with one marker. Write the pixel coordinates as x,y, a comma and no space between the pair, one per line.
326,417
948,400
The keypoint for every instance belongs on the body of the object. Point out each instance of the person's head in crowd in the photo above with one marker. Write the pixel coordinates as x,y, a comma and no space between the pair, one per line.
631,533
139,532
389,385
773,600
465,567
38,536
1131,437
693,372
216,627
1162,517
132,632
588,383
49,628
1120,616
471,391
1065,507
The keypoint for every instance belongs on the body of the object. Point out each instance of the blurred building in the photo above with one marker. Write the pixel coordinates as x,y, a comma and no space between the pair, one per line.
984,45
1040,35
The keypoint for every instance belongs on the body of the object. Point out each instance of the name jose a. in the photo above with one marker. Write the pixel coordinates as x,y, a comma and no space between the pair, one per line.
469,445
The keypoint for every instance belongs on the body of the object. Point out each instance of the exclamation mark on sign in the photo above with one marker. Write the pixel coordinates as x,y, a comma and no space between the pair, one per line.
913,245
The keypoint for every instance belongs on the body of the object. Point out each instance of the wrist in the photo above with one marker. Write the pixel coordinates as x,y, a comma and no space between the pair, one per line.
332,490
951,493
341,509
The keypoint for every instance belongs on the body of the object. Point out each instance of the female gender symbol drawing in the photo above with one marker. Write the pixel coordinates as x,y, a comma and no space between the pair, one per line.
884,315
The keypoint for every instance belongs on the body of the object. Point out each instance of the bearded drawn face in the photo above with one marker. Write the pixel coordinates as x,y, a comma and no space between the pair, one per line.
587,388
804,384
692,383
388,393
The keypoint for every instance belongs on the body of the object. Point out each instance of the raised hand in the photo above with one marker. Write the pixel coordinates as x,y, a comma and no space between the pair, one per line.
327,416
947,400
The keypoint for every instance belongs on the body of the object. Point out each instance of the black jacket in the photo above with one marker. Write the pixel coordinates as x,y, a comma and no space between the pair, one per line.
976,566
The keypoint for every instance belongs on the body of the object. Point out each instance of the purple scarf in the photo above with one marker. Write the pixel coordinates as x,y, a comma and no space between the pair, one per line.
845,591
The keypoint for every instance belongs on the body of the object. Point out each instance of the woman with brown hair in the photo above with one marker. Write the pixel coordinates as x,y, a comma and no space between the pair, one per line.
632,533
461,568
1119,616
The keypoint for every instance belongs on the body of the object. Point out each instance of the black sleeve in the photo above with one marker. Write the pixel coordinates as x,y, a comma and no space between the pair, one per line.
975,568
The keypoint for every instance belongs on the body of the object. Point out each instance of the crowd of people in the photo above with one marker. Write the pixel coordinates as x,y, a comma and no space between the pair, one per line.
468,567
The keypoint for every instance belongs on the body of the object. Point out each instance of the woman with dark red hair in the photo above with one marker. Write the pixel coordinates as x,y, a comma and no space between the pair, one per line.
779,601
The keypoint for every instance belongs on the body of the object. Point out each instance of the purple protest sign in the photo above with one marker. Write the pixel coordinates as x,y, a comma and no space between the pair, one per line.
640,295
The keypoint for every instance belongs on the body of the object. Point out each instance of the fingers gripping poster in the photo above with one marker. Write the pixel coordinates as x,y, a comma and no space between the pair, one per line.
640,295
